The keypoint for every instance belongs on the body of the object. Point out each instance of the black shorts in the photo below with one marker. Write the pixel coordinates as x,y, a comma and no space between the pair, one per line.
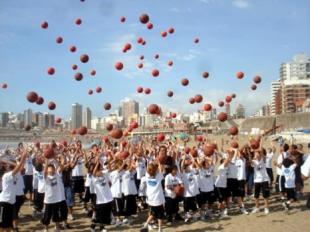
6,215
290,193
241,188
18,204
171,206
270,174
232,187
206,197
157,212
130,205
28,183
190,204
221,194
38,199
261,187
58,212
280,184
89,196
118,207
103,213
78,184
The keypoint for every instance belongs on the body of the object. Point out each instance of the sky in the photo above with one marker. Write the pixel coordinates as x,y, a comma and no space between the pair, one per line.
253,36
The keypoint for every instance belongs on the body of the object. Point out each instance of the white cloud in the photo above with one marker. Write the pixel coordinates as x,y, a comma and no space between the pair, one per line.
241,3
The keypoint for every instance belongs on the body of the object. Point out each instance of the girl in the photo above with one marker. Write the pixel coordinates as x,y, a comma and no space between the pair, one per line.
129,190
261,181
269,156
288,170
206,186
191,187
38,184
172,203
8,193
54,197
221,183
241,176
101,181
155,195
116,189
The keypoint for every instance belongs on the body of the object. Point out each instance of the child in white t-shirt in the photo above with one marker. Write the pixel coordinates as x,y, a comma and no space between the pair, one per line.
152,183
54,197
172,202
102,183
206,196
190,177
288,171
261,180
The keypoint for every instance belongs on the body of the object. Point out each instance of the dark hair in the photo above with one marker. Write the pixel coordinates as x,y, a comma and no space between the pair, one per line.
294,146
174,167
285,147
50,166
287,162
38,166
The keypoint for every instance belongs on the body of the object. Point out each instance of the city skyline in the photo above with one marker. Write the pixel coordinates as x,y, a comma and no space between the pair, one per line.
223,50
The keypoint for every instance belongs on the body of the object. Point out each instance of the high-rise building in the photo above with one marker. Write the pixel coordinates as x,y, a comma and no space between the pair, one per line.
275,104
4,119
130,110
293,89
76,116
240,111
87,118
28,117
51,121
41,120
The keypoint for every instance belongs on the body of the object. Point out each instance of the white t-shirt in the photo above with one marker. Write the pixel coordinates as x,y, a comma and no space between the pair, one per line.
260,172
141,167
78,168
170,182
8,193
19,185
269,160
280,159
128,183
206,179
54,189
38,181
102,188
240,164
191,183
289,175
154,190
305,168
221,180
116,183
142,187
28,165
87,180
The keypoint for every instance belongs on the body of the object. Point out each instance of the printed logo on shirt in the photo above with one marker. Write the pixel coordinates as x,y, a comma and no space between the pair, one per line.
152,183
286,171
53,182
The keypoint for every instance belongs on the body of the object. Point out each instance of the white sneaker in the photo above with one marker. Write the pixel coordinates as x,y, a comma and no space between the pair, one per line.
255,210
243,210
224,215
187,217
104,230
118,223
70,217
225,211
266,211
85,211
125,221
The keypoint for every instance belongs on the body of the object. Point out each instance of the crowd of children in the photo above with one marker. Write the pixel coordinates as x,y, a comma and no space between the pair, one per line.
115,181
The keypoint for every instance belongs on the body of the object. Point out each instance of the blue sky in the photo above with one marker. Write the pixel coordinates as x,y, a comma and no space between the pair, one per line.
252,36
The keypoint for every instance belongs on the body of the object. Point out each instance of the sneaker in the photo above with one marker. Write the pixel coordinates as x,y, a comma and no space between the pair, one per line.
255,210
70,217
225,211
104,230
125,221
266,211
244,211
154,226
85,211
286,206
118,223
187,217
